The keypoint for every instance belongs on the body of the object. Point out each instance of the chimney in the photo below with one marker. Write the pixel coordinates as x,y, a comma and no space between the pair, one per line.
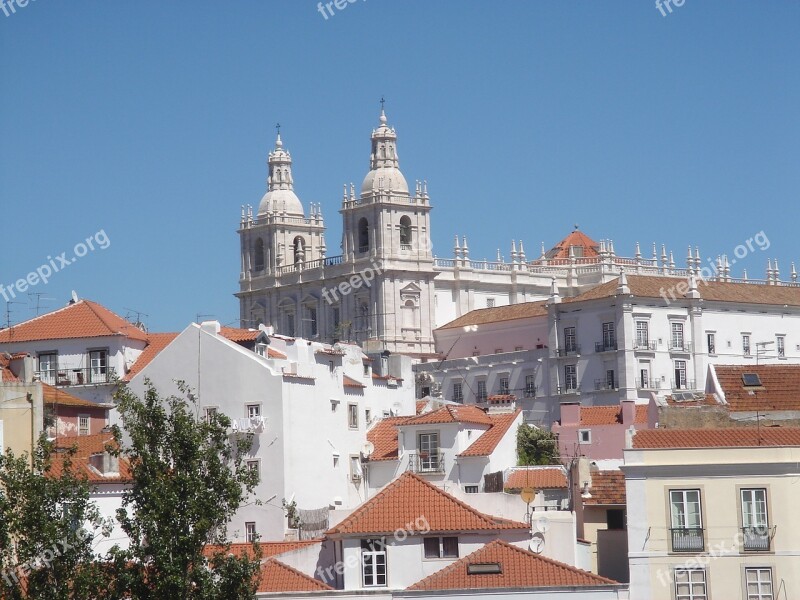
628,412
570,414
210,327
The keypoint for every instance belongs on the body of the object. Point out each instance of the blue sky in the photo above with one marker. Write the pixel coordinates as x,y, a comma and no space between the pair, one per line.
151,121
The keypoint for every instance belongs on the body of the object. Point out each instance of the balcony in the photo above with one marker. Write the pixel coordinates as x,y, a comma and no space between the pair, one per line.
688,539
85,376
684,384
602,385
756,539
644,346
568,389
426,462
679,348
568,351
648,384
605,346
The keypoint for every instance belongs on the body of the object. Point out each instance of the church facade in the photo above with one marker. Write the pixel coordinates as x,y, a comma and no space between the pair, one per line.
386,289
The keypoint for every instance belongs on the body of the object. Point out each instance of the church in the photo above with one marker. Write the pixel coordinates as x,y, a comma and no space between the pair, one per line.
386,290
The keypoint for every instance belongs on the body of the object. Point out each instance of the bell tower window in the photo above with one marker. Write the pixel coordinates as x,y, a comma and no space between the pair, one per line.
258,255
363,235
405,233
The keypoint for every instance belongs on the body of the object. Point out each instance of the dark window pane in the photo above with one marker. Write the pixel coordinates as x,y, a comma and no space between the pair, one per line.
431,547
450,547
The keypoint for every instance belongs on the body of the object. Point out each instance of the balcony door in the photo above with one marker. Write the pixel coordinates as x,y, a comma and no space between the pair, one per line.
687,521
98,366
428,446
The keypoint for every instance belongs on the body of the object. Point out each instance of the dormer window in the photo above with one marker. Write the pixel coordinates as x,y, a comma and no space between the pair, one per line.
261,349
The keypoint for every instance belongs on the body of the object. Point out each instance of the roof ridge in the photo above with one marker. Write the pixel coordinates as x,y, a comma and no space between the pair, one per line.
94,306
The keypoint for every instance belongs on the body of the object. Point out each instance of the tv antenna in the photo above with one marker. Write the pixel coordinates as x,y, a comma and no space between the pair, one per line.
39,297
139,314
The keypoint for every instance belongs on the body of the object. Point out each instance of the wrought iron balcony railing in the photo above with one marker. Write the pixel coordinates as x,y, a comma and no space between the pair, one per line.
690,539
569,351
83,376
605,346
756,539
426,462
643,345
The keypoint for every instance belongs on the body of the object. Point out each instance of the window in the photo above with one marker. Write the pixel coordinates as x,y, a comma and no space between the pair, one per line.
530,386
311,319
615,518
356,472
48,365
611,382
250,531
83,424
441,547
367,416
755,524
429,455
642,334
405,233
253,410
780,342
490,303
253,467
680,375
504,385
258,255
366,369
373,562
644,378
690,584
363,235
290,324
352,416
481,394
746,344
686,521
571,377
98,363
471,489
584,436
712,343
677,336
211,413
609,337
518,348
570,341
759,584
458,392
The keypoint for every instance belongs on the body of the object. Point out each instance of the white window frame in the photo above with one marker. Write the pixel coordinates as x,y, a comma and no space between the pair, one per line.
677,338
504,384
759,581
684,589
570,339
98,365
684,517
370,576
253,410
88,419
711,342
746,345
588,436
570,378
471,489
642,334
352,416
254,464
458,391
530,385
481,394
780,345
250,531
755,511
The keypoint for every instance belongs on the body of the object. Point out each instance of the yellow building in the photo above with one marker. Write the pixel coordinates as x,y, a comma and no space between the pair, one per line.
712,514
21,409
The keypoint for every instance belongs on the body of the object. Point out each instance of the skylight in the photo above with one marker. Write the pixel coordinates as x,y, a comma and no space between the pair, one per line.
483,568
751,379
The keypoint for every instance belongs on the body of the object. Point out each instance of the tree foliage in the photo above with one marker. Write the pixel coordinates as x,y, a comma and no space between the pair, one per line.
536,446
189,478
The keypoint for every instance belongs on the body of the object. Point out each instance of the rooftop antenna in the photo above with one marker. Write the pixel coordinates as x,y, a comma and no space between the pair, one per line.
39,297
198,316
761,349
8,313
139,314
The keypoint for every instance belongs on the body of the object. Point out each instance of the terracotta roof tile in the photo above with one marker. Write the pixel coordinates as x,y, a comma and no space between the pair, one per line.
86,446
352,383
779,390
54,395
609,415
156,342
729,437
575,238
538,478
408,499
268,549
383,435
520,569
421,404
608,487
279,577
482,316
706,400
452,413
84,319
6,374
237,335
490,438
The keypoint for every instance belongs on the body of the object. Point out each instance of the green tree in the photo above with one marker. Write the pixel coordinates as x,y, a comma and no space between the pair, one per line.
46,553
189,478
536,446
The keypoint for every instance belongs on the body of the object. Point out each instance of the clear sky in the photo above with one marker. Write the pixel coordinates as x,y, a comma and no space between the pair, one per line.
151,122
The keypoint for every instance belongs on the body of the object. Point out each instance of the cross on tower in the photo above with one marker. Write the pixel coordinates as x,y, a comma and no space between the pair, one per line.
383,101
278,128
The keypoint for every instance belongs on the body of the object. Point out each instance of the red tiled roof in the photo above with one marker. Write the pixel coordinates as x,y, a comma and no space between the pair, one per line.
268,549
729,437
608,487
421,404
482,316
86,446
609,415
6,374
538,478
452,413
278,577
84,319
156,342
237,335
54,395
412,504
779,390
519,569
350,382
489,439
383,436
647,286
706,400
578,239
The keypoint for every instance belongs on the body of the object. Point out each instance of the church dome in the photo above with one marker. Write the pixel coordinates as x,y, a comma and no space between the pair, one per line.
386,178
384,173
280,200
280,196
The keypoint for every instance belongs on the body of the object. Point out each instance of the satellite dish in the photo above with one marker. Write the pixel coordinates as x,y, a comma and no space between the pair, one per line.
543,524
74,297
536,545
527,494
367,449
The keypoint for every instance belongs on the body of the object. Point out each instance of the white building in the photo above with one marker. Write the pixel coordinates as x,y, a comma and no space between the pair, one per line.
309,405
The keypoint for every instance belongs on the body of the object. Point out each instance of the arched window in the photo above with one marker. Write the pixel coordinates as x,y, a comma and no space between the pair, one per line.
405,231
258,255
299,249
363,235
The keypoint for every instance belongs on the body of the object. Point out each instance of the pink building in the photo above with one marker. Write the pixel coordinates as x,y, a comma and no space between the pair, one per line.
70,416
598,432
